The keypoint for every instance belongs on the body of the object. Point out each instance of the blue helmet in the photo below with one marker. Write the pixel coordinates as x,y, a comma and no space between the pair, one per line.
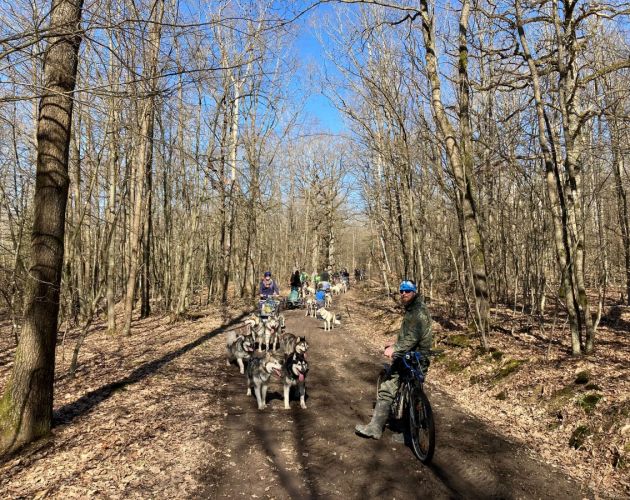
267,273
407,286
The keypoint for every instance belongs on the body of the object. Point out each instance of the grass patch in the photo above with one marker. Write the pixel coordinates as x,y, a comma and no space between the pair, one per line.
592,387
560,398
582,377
502,396
459,340
496,355
510,366
589,401
578,437
451,364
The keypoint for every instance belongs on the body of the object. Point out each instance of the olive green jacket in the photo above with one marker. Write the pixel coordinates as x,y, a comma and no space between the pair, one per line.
415,332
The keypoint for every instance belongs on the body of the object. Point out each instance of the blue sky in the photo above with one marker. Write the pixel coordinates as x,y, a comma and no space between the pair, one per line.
317,105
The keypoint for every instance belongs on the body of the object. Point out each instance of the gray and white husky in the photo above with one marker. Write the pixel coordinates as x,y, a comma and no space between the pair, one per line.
269,334
294,373
239,349
329,318
290,344
259,370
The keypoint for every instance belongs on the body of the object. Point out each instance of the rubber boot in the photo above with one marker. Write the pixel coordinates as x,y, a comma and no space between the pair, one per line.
375,428
398,437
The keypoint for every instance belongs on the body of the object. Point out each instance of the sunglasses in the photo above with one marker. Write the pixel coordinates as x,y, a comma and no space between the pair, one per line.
406,291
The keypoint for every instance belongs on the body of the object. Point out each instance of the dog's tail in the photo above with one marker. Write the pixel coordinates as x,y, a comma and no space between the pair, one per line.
336,321
231,337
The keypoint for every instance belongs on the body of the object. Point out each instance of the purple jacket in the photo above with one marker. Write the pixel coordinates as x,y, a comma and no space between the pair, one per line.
268,290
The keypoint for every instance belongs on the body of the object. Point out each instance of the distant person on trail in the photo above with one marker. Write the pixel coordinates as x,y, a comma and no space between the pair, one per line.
415,334
320,297
304,277
325,276
268,287
296,280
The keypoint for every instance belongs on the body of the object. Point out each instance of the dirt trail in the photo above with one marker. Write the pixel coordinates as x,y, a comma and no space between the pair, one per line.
311,453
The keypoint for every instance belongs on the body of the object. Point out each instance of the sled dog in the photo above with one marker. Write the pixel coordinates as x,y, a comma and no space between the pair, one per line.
239,350
269,334
335,289
294,373
327,300
311,306
329,319
252,321
291,344
259,371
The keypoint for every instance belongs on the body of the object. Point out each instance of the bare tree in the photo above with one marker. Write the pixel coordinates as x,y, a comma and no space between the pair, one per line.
27,403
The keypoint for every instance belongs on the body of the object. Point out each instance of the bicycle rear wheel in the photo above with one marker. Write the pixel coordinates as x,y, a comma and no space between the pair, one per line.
421,425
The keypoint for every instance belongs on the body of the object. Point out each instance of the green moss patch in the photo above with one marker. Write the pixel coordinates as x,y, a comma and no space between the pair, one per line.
560,398
459,340
451,364
589,401
592,387
582,377
496,356
578,437
502,396
510,366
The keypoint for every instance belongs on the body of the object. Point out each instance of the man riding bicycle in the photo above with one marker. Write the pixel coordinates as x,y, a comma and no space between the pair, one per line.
415,334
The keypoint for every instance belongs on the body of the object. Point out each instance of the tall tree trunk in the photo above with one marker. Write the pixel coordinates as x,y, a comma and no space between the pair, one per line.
622,203
27,403
460,158
143,163
555,193
145,280
110,218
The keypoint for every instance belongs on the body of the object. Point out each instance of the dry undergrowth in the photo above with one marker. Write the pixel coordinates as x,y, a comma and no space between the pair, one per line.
573,413
134,422
138,418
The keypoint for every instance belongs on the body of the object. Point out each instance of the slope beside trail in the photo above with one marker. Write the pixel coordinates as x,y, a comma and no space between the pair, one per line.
314,453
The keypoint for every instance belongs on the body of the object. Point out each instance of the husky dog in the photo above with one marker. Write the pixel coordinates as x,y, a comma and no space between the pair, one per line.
291,344
294,373
259,371
252,321
327,300
329,319
311,306
239,349
335,289
270,334
281,320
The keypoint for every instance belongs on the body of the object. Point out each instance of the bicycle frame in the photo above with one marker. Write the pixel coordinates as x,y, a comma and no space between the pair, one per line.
409,399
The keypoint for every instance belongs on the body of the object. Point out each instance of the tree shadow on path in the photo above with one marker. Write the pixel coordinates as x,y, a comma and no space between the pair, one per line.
85,404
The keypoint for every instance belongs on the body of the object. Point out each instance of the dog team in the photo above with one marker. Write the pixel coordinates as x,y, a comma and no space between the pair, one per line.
284,354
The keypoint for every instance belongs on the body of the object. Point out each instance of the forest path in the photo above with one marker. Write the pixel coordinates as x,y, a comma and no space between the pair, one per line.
314,453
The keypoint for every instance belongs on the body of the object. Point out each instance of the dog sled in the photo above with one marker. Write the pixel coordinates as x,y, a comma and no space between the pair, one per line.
293,300
268,308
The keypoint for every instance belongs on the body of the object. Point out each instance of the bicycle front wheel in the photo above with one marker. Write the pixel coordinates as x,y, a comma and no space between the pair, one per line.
421,425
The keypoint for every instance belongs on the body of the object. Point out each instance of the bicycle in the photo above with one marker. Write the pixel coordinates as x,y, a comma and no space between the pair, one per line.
411,401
